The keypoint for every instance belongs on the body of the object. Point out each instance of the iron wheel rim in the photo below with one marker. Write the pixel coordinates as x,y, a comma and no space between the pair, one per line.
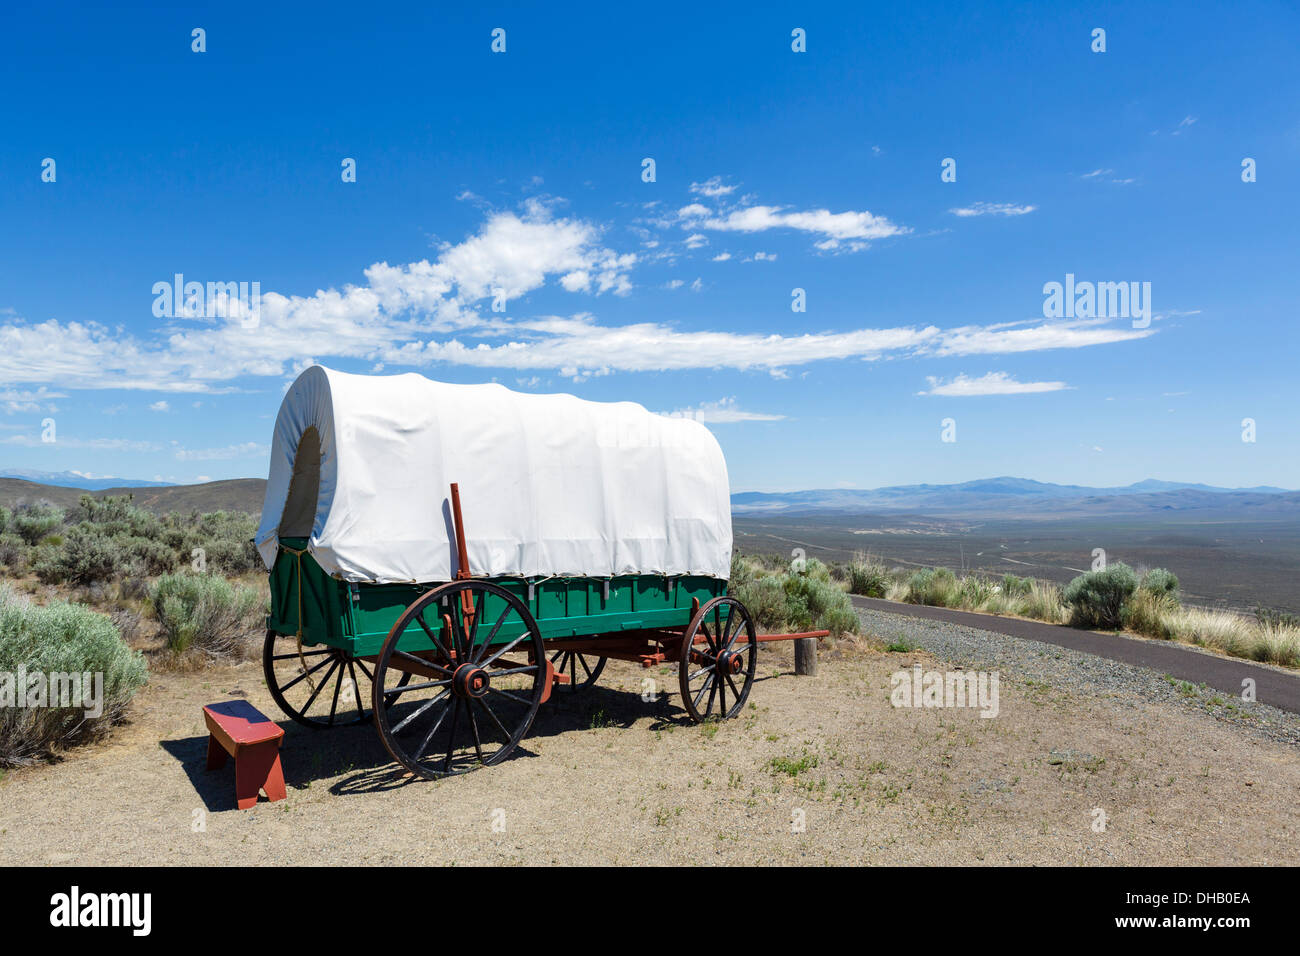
480,731
699,678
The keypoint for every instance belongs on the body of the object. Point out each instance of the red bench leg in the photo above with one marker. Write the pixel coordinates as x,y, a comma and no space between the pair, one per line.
216,754
258,767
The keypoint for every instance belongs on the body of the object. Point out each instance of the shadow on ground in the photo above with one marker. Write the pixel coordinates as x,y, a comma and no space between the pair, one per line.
355,754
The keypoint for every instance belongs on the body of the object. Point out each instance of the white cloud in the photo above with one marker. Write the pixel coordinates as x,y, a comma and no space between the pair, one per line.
97,444
430,312
712,187
246,449
513,252
722,257
724,411
160,406
994,383
992,209
14,400
853,228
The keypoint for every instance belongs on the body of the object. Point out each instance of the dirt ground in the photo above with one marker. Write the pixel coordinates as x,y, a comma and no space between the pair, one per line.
609,778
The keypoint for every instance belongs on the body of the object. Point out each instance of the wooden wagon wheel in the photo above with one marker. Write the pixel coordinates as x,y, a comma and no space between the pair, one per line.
583,670
329,693
721,665
474,697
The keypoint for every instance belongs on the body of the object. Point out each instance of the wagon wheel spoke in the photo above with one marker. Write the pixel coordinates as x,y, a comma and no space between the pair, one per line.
569,661
451,738
423,748
391,692
397,728
304,675
473,725
732,684
490,638
420,662
478,708
501,727
705,686
320,687
447,655
334,704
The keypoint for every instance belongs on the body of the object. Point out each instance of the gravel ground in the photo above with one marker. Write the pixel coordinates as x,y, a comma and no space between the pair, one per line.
1125,684
817,770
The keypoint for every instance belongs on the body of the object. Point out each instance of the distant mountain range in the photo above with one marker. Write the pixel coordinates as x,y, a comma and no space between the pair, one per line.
236,494
71,479
1005,497
1009,496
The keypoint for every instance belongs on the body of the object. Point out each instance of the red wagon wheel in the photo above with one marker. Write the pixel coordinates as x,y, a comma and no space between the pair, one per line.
472,698
719,657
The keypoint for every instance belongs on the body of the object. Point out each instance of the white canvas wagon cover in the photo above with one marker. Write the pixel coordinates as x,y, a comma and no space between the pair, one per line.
361,465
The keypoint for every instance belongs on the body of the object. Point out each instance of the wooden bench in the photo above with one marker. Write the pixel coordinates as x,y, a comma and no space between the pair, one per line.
238,729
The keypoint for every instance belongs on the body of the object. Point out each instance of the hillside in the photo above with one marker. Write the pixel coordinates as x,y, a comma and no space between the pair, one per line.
236,494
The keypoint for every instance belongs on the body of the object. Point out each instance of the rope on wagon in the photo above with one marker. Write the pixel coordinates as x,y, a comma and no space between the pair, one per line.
302,661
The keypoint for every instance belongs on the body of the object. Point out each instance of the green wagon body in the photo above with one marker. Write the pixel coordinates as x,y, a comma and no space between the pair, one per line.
357,618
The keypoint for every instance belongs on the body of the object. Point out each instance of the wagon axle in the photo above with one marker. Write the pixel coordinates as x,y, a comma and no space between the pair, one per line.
470,682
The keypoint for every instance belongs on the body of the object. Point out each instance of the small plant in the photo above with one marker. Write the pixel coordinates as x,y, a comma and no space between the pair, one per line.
69,639
1013,586
34,522
203,611
935,587
1096,599
791,766
1160,581
867,577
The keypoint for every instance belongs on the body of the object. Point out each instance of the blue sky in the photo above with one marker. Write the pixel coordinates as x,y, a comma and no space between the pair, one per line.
774,170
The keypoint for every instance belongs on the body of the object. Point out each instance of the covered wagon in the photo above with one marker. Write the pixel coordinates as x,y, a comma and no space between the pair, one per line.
445,557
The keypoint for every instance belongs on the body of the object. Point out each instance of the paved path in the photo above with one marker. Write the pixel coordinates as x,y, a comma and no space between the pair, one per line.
1272,686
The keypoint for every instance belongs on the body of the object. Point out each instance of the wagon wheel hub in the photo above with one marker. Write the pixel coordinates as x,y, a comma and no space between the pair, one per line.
470,681
730,662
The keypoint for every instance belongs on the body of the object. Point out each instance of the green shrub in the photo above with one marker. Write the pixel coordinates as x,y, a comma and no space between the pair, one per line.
33,522
146,555
868,578
61,638
1150,612
1160,581
793,601
1042,602
85,556
765,599
974,592
204,611
1013,586
936,587
4,519
13,551
1096,599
